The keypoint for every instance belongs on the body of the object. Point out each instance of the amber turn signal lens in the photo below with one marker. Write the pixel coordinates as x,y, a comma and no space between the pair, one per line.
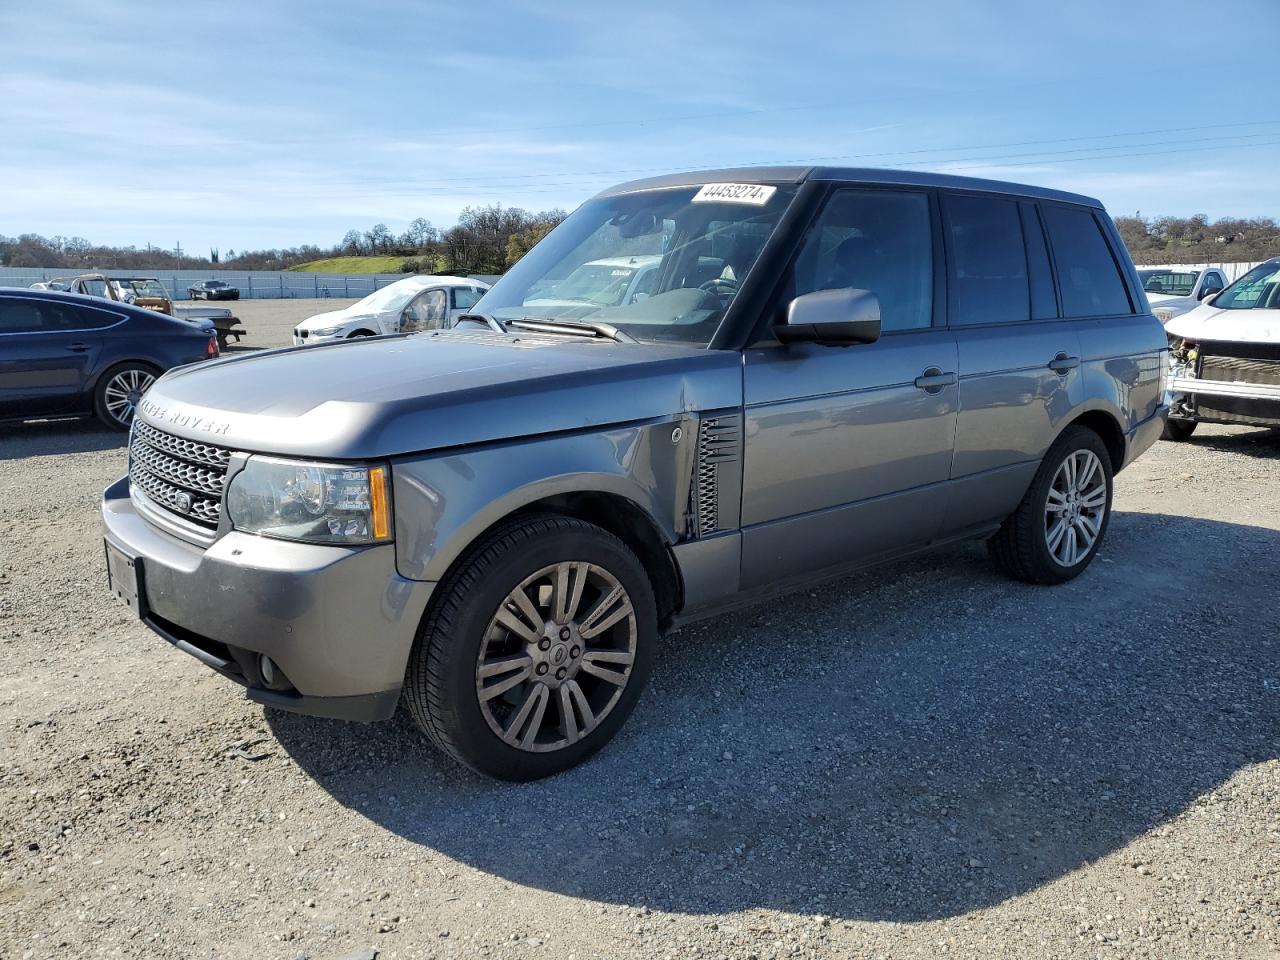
379,503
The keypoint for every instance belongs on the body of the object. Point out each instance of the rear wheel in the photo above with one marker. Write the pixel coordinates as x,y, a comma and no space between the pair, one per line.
119,392
1178,430
536,651
1056,530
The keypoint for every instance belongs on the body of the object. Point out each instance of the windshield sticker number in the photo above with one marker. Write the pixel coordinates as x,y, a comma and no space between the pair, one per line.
753,194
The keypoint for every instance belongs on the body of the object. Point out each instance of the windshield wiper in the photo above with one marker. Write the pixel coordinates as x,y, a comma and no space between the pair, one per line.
573,328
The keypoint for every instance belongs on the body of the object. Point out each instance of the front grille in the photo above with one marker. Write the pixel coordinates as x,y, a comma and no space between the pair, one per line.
1240,370
183,476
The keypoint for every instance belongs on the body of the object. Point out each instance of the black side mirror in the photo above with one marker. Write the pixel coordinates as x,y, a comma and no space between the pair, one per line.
839,317
1207,292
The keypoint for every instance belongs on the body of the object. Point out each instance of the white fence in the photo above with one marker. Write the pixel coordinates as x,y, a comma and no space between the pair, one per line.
1232,271
256,285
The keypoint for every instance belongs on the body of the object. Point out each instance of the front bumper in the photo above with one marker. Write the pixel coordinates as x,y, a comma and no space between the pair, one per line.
337,622
312,339
1222,401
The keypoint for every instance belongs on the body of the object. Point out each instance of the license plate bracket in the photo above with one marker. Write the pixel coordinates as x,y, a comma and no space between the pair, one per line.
124,577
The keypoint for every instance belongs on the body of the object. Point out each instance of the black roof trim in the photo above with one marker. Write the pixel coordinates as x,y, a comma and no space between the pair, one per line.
867,175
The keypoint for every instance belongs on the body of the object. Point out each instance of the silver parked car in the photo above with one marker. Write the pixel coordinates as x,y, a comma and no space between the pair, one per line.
829,368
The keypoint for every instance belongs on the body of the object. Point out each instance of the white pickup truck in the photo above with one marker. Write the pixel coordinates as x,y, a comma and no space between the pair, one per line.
1173,291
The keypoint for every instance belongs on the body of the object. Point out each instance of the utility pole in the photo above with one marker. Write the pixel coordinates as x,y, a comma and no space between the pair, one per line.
178,251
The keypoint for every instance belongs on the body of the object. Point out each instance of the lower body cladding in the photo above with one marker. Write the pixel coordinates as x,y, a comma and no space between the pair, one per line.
1217,401
320,630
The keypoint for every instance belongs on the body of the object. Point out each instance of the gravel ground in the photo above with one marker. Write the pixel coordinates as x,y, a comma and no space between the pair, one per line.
924,759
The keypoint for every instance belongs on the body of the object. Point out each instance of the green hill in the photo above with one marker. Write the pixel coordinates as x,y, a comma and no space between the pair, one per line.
352,265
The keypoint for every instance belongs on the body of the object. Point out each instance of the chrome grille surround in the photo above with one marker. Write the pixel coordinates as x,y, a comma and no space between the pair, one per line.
184,477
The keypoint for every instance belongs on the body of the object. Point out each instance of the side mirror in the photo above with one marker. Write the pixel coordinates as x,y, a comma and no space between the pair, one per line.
1207,292
839,317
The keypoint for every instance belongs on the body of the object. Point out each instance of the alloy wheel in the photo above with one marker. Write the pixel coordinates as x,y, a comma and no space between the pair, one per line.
556,656
1075,507
124,392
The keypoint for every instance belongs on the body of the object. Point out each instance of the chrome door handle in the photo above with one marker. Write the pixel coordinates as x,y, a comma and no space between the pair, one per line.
933,380
1063,363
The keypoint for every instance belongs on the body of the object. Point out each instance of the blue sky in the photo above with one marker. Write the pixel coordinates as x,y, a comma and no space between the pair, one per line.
245,125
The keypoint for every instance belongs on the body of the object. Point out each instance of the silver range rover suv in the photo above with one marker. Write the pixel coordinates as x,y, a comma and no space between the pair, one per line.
821,369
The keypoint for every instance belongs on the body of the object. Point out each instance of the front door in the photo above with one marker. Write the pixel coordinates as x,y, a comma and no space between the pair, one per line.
46,352
848,449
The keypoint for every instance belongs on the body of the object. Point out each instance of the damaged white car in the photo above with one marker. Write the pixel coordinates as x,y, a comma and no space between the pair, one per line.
1225,356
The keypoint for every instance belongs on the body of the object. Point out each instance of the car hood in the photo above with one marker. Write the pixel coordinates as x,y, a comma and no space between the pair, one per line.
381,397
1207,322
336,318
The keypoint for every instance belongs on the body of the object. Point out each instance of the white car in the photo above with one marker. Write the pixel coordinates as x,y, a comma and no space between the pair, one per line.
1225,356
414,303
1173,291
610,282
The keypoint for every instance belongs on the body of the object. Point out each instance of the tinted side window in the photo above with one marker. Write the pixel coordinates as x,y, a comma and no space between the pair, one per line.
1088,276
83,318
875,240
19,316
988,279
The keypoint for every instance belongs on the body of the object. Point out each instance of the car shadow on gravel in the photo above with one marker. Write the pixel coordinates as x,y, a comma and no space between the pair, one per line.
42,438
1262,443
910,744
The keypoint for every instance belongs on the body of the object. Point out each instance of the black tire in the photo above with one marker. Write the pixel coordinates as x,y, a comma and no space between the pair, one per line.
104,406
1178,430
1020,547
441,683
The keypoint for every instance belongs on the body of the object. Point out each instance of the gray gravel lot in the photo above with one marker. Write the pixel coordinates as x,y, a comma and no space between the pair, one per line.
922,760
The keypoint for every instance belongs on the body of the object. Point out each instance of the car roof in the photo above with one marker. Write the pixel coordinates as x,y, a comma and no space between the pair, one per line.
84,300
431,280
867,175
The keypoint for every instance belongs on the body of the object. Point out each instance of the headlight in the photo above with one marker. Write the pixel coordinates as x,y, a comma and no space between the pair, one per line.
312,502
1163,314
325,331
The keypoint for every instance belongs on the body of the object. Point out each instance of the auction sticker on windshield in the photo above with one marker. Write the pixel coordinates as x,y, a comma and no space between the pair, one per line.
755,194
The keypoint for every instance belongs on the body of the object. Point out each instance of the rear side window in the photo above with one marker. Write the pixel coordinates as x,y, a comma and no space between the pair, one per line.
464,298
1088,276
988,279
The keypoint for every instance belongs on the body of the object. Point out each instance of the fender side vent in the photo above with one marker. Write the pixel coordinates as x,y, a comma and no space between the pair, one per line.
717,444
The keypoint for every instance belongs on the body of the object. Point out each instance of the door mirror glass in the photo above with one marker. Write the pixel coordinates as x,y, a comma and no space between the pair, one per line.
1208,290
842,317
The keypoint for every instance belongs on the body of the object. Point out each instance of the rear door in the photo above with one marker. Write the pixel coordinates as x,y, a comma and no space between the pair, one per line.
848,449
48,351
1020,364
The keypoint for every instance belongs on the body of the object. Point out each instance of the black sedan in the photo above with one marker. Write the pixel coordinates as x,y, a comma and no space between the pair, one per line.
213,290
66,355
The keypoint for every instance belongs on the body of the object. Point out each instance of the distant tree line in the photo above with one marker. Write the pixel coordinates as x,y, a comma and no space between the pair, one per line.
485,240
490,239
1197,240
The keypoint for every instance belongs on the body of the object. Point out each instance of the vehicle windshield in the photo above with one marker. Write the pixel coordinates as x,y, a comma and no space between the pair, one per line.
605,283
1257,289
1171,282
656,264
145,288
214,284
394,296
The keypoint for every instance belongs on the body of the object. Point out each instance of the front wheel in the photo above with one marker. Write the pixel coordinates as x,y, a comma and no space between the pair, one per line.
536,651
1178,430
1056,530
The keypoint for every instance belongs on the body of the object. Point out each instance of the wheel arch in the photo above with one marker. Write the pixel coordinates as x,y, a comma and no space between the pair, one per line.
1107,426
